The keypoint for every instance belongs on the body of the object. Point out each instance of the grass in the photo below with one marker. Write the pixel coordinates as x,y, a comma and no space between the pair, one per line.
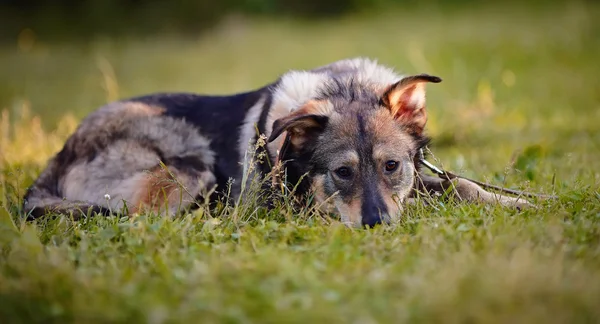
519,106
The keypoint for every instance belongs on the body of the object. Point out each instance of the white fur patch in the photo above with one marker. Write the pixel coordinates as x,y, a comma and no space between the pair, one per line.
296,88
248,129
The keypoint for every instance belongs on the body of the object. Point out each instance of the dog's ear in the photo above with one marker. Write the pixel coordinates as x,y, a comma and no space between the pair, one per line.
303,125
406,100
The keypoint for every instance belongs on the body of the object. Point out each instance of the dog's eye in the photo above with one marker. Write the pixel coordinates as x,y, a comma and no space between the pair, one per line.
391,166
343,172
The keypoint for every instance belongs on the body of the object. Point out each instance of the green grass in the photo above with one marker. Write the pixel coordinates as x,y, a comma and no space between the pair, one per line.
519,106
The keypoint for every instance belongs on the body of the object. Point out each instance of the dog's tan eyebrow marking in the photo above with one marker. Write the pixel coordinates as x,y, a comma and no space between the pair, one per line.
345,158
379,153
384,152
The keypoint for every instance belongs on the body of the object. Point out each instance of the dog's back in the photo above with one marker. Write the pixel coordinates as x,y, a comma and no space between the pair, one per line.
158,151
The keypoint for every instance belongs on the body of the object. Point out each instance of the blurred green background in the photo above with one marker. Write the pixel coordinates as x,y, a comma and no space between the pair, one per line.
72,18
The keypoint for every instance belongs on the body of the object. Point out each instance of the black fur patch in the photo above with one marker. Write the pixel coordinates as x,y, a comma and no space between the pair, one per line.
220,119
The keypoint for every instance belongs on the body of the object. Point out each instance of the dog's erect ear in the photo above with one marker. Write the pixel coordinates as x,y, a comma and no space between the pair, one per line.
406,100
302,125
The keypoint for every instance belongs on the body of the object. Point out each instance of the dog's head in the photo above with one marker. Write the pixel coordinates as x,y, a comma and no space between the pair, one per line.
357,147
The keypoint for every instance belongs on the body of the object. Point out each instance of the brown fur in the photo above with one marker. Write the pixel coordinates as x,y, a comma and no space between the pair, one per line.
168,190
350,210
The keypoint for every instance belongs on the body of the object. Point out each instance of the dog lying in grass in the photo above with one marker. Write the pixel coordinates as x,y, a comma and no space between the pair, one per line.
348,133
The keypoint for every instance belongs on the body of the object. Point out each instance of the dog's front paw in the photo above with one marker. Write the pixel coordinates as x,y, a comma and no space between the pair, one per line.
466,190
516,202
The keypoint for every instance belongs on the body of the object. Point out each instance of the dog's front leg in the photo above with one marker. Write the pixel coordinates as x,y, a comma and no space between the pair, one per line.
465,190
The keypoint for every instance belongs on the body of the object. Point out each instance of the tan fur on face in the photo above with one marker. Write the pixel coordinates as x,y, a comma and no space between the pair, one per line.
346,158
404,98
350,213
390,142
393,200
396,145
388,136
325,204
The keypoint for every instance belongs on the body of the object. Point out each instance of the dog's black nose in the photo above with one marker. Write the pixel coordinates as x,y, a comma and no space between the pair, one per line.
373,209
372,215
371,221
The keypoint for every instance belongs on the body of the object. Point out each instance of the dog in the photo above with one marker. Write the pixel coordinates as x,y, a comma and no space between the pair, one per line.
349,133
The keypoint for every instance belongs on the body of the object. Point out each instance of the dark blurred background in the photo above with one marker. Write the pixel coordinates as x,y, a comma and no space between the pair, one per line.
68,19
